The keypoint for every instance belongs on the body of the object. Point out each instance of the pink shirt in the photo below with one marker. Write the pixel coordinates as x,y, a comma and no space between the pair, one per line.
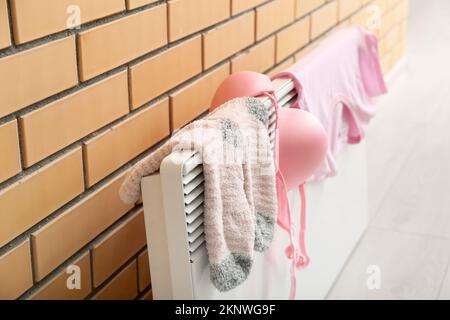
335,82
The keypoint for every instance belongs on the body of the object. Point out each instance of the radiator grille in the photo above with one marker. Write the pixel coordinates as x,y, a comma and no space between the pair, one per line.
193,191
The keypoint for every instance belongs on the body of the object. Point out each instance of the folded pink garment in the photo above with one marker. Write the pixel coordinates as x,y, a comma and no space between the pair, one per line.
335,82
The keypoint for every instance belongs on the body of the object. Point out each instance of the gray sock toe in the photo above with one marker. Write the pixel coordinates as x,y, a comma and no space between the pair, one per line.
264,232
231,272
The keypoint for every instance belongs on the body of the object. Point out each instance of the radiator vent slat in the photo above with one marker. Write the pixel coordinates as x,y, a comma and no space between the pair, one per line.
191,227
272,117
192,175
194,204
196,234
191,164
194,214
287,98
272,127
198,253
193,184
197,243
194,194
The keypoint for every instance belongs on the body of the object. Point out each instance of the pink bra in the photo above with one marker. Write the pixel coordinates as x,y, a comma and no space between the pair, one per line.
300,146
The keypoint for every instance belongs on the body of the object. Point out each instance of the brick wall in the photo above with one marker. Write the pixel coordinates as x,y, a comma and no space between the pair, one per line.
78,107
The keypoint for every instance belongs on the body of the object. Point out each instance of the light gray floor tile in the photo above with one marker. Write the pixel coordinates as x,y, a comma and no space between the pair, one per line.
411,267
445,290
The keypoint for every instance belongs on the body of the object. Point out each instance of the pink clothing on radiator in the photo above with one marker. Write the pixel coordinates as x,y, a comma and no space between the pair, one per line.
335,82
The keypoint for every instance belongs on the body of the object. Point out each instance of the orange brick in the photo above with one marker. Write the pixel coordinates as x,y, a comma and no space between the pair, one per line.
311,46
122,287
383,47
259,58
56,288
148,295
342,25
15,272
118,247
35,74
189,16
132,4
5,39
110,150
61,238
359,18
49,129
113,44
387,23
191,101
10,158
292,38
381,5
36,19
238,6
144,271
386,63
273,16
347,7
304,7
377,7
405,9
392,3
399,14
33,198
392,38
281,67
398,52
364,18
164,71
227,39
323,19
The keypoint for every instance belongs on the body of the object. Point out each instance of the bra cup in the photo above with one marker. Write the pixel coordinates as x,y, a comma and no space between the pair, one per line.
302,147
302,139
241,84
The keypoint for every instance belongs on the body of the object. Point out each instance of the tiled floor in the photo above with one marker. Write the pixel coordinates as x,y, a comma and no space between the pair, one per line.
408,240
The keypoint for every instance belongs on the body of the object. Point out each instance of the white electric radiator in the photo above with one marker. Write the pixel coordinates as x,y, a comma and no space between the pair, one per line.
337,215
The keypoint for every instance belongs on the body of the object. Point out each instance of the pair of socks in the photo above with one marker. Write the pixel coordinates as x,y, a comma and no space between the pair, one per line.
240,191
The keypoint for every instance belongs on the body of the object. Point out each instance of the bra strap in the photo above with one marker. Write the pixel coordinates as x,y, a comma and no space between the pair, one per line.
299,257
272,98
304,258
